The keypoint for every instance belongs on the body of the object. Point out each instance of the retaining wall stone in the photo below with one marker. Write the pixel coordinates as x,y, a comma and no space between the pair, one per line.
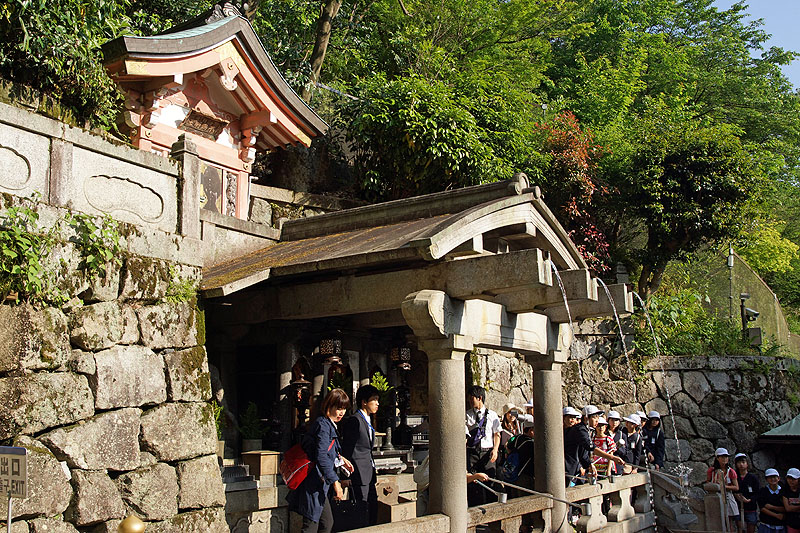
49,525
98,326
205,521
152,492
128,376
35,402
31,339
168,325
188,376
96,499
200,484
178,431
106,441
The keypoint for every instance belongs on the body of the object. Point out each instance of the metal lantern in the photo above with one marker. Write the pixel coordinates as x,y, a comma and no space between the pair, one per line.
401,357
330,349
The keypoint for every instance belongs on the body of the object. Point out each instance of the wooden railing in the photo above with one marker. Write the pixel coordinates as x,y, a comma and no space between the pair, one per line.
625,513
507,517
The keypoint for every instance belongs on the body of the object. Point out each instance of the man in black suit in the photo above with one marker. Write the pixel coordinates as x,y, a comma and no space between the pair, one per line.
358,438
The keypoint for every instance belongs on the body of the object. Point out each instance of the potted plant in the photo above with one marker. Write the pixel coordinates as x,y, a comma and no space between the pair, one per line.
219,422
251,428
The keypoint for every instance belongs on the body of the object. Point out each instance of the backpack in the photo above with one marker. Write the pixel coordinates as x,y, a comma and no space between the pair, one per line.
513,466
477,434
295,465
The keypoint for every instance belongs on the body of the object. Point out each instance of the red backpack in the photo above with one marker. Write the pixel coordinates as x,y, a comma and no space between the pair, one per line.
295,465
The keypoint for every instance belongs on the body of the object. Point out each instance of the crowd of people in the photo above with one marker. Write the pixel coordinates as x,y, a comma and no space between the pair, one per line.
596,445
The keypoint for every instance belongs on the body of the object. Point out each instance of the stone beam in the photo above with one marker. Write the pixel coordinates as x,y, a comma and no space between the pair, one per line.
602,307
478,277
578,284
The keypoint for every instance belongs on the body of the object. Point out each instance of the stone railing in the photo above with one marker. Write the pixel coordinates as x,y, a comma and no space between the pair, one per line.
674,507
507,516
636,513
435,523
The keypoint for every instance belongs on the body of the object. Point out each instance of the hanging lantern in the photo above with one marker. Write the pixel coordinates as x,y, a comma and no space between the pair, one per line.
330,349
401,357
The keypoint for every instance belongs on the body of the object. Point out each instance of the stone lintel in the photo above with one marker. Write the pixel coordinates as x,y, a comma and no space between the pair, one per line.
548,361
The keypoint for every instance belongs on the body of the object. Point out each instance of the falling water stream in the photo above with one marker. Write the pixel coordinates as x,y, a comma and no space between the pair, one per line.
621,337
571,327
682,470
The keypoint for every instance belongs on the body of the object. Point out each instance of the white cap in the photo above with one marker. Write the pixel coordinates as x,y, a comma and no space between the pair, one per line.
739,456
614,414
641,415
571,411
590,410
721,451
793,473
633,419
771,472
602,420
527,424
509,406
653,414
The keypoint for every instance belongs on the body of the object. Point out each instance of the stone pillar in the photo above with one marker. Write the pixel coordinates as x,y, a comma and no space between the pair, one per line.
429,314
185,151
448,458
548,428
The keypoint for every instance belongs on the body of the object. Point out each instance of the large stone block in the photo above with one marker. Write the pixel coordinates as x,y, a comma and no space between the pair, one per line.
35,402
682,404
200,483
708,428
152,492
128,376
107,441
725,408
97,326
144,279
16,527
266,521
169,325
49,491
673,447
50,525
96,499
32,339
499,373
188,376
657,404
668,382
702,449
595,370
613,392
130,326
582,349
261,211
177,431
521,374
743,435
697,472
204,521
696,385
646,390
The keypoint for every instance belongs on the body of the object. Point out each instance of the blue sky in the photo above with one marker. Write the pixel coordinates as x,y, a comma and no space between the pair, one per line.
780,20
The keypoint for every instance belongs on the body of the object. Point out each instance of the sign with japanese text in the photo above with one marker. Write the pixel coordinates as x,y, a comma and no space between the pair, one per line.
13,471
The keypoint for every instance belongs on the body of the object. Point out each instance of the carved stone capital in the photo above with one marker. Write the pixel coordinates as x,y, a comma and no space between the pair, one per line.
551,361
431,315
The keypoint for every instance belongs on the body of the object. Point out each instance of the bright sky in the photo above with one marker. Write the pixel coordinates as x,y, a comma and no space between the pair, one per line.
780,20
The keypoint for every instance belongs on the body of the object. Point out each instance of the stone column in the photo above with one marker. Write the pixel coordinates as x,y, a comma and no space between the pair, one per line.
185,151
428,313
448,458
548,428
287,356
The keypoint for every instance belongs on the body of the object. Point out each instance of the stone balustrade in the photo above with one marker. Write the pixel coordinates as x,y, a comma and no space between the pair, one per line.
507,517
630,508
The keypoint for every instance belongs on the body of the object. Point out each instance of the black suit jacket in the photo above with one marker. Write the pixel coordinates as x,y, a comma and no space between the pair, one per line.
357,447
578,447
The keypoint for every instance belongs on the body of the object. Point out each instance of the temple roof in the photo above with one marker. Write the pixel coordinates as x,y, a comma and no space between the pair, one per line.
474,221
263,95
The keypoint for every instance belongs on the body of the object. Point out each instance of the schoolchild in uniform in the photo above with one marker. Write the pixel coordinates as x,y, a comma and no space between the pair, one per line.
748,491
790,495
771,504
483,441
654,440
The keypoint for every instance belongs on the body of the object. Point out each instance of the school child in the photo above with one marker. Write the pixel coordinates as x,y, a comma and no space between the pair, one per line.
791,501
602,441
654,440
634,447
748,491
771,504
722,474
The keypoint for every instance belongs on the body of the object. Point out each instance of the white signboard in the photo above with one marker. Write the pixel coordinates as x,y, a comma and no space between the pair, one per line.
13,471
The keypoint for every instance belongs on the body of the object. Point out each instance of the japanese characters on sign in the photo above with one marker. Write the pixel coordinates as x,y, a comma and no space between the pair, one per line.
13,471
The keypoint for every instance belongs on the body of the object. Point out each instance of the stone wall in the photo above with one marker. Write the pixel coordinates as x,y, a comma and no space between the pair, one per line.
108,392
506,378
714,401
